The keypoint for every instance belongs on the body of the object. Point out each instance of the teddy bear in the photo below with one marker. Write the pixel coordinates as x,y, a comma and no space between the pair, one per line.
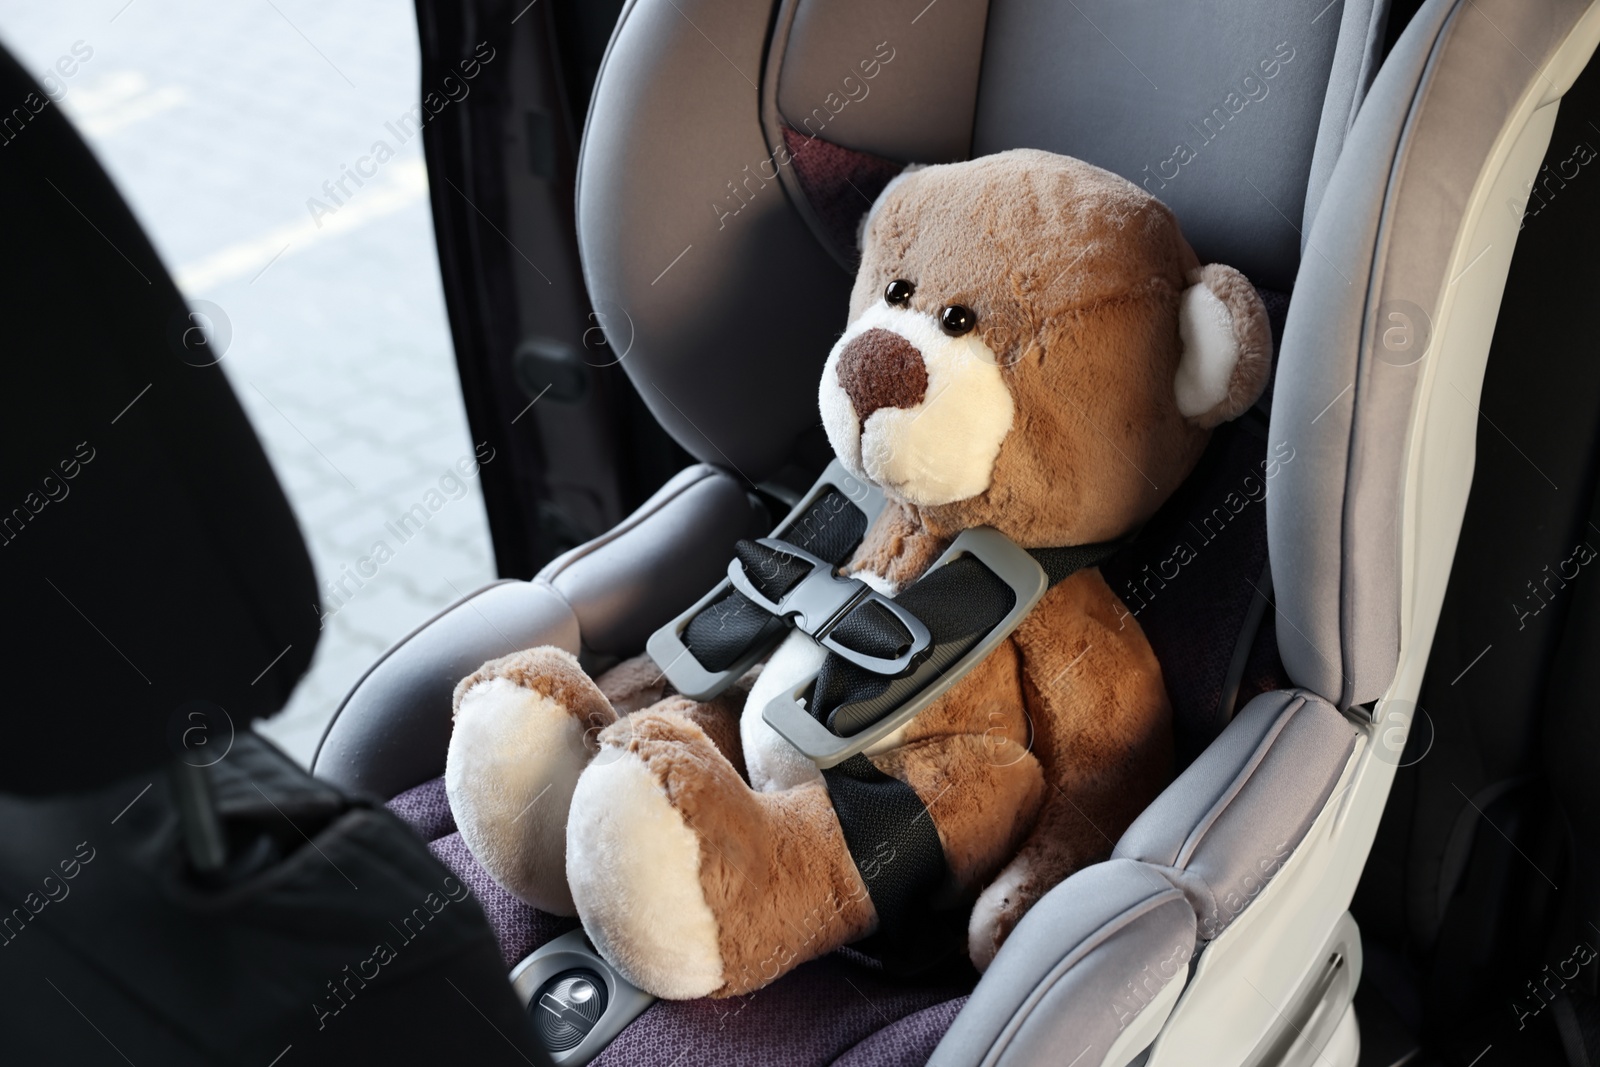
1032,346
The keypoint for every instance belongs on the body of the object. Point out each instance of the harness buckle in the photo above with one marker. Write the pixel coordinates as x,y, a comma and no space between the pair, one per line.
786,712
667,645
820,601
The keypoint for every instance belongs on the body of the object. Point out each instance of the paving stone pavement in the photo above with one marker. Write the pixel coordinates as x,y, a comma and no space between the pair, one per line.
219,122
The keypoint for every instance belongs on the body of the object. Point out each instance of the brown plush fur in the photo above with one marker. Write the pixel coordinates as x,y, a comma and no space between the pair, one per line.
898,547
633,684
1102,731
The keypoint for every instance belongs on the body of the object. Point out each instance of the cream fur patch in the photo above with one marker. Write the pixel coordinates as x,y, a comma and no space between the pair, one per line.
877,582
771,761
944,448
634,867
513,762
1210,351
986,914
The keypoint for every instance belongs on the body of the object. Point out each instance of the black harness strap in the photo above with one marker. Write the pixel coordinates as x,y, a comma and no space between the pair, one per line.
1062,563
892,840
960,603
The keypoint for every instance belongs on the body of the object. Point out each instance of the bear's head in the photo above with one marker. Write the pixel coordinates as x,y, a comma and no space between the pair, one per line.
1034,346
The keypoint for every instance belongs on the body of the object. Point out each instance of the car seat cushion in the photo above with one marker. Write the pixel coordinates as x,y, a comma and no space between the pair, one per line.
426,809
1225,828
519,927
822,1011
907,1041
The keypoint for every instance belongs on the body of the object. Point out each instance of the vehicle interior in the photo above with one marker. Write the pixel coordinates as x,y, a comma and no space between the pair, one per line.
1381,845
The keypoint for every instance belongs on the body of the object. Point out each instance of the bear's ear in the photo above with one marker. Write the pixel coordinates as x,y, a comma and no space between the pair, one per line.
866,220
1227,346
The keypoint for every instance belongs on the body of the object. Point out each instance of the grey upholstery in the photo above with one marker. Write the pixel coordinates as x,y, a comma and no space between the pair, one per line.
1226,826
1147,77
932,72
630,580
392,730
734,303
603,597
1076,971
1355,63
1382,240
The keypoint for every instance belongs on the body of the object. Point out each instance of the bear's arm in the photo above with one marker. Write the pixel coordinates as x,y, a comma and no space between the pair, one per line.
1102,732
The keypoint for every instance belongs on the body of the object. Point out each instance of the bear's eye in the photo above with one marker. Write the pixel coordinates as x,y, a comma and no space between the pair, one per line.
957,320
898,292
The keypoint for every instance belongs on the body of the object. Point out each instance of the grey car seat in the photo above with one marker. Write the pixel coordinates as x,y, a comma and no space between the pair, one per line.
1354,161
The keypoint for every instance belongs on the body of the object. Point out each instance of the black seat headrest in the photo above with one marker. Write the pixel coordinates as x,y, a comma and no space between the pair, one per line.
148,557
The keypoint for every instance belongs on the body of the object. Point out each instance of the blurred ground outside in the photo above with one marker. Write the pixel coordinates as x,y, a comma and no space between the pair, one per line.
226,126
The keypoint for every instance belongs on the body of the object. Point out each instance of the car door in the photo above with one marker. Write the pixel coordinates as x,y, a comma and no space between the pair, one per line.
541,366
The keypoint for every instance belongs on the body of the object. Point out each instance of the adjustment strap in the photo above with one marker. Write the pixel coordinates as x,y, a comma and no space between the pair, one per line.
1062,563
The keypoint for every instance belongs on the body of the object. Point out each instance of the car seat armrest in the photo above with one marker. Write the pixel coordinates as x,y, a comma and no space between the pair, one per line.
1225,827
638,575
603,597
392,729
1091,972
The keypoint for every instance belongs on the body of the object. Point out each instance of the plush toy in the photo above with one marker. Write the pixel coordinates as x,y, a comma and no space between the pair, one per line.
1032,346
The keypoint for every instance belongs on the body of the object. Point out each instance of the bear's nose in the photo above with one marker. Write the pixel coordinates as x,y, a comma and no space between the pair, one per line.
881,369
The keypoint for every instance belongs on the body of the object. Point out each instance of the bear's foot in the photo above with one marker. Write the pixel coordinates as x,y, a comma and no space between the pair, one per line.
525,726
693,885
998,910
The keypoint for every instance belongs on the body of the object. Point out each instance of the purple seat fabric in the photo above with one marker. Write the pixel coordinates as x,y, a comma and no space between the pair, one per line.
827,1010
840,183
822,1011
519,927
910,1041
427,809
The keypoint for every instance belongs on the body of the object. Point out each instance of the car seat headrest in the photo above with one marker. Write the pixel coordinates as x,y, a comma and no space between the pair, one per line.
711,231
1246,92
